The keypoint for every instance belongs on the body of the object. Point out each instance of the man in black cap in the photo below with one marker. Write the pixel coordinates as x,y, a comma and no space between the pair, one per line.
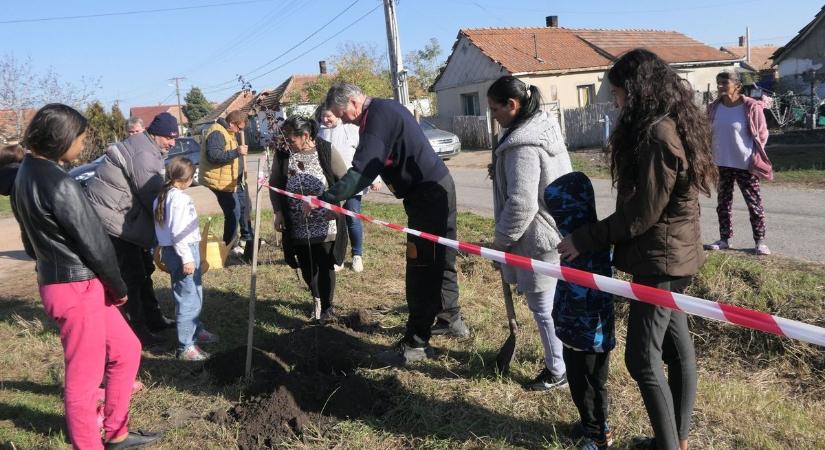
122,191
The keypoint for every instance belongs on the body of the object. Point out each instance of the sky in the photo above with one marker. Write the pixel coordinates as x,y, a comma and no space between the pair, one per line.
209,43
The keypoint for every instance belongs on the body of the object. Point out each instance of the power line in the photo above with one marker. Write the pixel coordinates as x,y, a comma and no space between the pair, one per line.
269,20
131,13
234,80
324,41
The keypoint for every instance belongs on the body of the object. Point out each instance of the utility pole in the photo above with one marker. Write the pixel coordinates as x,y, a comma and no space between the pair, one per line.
177,91
748,44
399,75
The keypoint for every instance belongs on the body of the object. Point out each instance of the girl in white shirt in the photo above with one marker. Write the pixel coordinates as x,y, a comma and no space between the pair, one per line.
176,227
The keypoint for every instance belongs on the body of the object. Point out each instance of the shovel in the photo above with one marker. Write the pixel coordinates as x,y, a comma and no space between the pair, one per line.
508,350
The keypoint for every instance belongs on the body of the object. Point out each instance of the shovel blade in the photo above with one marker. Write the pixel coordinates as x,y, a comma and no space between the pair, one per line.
506,354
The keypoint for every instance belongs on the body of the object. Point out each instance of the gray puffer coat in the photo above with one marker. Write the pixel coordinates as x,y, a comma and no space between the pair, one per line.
526,161
125,204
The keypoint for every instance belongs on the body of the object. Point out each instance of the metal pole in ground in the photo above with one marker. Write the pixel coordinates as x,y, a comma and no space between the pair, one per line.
253,282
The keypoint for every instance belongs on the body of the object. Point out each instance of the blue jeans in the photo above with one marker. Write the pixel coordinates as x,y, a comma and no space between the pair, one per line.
354,227
236,208
187,291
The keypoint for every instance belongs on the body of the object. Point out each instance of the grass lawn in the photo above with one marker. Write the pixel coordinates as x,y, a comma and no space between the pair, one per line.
5,206
756,391
802,165
794,165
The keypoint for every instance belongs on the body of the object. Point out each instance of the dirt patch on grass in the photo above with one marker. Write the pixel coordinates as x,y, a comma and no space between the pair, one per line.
303,383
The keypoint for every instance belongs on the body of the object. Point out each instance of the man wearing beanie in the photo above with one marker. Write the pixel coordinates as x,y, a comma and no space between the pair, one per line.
222,171
122,191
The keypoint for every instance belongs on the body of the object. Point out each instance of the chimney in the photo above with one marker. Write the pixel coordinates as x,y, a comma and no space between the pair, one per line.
552,21
322,66
741,41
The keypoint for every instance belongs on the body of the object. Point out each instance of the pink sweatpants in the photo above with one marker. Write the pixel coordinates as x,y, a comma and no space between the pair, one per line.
93,332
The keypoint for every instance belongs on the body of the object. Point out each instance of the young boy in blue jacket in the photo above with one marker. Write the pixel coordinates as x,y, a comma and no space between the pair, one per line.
583,317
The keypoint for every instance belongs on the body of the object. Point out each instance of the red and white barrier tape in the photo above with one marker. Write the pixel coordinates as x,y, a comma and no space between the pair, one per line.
744,317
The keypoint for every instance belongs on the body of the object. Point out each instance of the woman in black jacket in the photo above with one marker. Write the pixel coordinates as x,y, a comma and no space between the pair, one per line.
80,284
317,241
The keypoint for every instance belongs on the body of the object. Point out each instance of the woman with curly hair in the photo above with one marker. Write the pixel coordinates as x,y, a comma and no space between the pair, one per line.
660,160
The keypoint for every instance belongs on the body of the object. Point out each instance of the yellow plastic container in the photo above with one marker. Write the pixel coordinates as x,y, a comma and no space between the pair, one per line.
212,249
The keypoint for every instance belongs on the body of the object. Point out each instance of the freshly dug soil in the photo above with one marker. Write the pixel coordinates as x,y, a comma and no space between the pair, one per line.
306,377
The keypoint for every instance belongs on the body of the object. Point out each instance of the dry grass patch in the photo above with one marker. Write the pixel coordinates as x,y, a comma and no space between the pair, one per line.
755,391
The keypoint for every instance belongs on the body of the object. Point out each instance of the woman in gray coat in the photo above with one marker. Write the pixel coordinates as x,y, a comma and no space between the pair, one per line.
529,156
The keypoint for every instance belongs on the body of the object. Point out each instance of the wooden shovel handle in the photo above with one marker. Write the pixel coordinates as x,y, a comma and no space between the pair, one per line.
508,305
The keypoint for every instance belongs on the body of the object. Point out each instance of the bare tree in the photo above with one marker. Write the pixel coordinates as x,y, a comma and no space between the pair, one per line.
21,89
17,90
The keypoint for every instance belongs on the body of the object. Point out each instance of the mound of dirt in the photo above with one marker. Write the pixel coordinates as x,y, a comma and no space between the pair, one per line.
268,421
306,377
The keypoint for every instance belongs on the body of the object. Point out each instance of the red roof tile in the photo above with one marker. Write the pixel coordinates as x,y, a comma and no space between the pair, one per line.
239,100
671,46
273,98
521,50
760,55
148,113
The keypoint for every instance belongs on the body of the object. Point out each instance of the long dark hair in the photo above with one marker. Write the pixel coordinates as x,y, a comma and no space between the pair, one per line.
655,91
178,169
529,97
53,129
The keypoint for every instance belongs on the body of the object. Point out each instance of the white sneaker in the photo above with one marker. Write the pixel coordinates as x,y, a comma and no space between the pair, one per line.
237,250
357,264
338,268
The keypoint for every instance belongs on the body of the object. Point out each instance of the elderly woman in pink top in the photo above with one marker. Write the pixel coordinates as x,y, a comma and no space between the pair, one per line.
739,132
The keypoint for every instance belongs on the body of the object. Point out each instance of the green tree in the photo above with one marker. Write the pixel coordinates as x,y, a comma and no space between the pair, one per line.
99,132
118,123
358,64
423,66
197,106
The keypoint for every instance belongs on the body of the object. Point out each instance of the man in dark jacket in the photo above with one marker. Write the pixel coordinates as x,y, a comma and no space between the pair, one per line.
393,146
121,192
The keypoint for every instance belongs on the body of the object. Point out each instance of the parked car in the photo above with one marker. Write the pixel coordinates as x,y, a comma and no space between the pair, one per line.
445,144
188,148
184,146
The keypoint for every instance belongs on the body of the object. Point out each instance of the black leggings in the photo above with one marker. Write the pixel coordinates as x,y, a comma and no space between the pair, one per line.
587,378
320,274
657,335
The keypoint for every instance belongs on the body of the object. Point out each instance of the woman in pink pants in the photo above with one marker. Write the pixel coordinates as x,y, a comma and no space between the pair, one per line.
79,282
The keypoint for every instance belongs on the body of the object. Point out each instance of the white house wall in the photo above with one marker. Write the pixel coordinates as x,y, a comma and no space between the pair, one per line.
563,88
468,65
808,54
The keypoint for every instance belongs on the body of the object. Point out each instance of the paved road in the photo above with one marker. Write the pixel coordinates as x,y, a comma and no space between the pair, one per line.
795,217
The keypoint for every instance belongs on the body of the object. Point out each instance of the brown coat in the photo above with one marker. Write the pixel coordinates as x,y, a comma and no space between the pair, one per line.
655,229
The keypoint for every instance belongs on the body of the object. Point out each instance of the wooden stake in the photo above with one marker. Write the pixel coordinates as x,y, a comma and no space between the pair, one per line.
254,276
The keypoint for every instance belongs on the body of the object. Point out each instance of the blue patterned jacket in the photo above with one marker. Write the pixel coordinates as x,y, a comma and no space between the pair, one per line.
583,317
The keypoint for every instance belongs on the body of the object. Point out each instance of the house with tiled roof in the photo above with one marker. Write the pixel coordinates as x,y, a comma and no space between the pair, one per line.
148,113
241,100
567,65
291,96
757,58
803,56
